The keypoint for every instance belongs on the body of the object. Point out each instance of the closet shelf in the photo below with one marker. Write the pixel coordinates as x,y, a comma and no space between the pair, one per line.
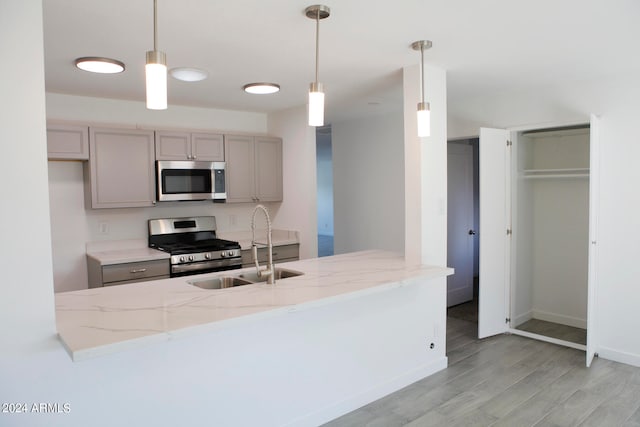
556,173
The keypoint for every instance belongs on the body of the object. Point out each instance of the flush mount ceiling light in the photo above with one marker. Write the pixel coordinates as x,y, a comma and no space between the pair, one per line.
316,94
424,109
261,88
96,64
186,74
156,70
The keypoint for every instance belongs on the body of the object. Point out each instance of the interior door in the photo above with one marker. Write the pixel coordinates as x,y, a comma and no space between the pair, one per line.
494,174
594,199
460,233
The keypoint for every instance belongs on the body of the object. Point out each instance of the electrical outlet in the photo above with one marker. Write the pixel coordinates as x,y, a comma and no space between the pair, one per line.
103,228
233,220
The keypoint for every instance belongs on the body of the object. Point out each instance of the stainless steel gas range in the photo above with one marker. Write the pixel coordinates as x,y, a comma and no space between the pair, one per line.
193,245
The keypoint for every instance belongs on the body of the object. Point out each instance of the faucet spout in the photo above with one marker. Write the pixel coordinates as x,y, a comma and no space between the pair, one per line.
269,271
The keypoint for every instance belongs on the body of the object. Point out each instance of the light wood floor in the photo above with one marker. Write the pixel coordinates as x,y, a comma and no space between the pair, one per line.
509,380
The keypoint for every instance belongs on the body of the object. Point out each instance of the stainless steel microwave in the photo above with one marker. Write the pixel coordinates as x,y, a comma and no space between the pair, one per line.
190,180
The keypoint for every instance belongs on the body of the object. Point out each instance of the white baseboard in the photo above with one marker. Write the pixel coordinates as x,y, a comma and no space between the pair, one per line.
619,356
520,319
356,401
459,296
560,318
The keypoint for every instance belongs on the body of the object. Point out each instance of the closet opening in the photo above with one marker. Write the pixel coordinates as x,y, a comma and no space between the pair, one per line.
550,240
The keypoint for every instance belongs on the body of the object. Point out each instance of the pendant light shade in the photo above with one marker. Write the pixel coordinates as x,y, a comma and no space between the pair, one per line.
156,70
316,105
316,93
424,119
156,76
424,109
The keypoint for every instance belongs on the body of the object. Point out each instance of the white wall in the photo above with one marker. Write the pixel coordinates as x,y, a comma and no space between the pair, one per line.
114,111
324,166
26,301
298,210
72,225
617,317
368,176
426,168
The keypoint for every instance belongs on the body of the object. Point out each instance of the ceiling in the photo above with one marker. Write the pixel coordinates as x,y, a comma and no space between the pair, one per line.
485,46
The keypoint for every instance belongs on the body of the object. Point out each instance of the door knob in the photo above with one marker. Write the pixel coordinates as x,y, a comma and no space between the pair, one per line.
472,233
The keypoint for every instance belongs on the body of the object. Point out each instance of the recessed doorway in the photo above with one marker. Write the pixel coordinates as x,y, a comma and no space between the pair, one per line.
324,168
462,226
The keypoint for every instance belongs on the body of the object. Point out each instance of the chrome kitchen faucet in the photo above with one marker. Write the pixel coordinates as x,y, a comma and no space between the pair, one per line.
269,271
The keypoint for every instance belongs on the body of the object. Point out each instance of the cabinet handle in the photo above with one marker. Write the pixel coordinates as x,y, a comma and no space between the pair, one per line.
138,270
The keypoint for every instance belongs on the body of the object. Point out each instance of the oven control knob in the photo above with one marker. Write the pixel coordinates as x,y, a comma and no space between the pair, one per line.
207,256
223,254
231,253
191,258
181,259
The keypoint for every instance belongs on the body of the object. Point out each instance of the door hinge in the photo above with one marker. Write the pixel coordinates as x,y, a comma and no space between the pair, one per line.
509,143
508,232
507,320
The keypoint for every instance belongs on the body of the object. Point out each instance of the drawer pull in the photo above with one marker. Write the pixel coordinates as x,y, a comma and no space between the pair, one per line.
139,270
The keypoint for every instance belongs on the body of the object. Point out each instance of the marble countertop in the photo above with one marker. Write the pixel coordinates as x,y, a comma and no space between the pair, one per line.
136,250
106,320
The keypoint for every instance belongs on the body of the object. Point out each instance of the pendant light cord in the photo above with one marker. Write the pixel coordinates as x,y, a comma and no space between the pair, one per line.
317,42
422,73
155,25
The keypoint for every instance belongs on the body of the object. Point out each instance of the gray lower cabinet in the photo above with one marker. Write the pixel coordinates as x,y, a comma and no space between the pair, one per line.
121,168
284,253
67,142
131,272
253,168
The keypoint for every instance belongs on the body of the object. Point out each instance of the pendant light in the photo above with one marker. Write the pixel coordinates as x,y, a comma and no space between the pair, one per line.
424,109
316,94
156,70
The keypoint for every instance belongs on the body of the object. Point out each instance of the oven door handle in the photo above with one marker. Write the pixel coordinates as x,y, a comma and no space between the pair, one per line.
206,265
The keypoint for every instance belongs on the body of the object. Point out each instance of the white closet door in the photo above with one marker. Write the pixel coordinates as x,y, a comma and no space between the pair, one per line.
494,241
594,193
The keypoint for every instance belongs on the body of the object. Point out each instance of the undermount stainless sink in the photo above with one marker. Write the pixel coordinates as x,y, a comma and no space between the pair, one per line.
219,282
242,279
279,273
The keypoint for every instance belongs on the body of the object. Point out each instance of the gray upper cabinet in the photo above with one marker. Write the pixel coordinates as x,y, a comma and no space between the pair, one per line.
189,146
268,164
253,169
121,168
67,142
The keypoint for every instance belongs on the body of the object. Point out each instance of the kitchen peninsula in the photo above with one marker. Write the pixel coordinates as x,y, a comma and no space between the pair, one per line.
368,318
